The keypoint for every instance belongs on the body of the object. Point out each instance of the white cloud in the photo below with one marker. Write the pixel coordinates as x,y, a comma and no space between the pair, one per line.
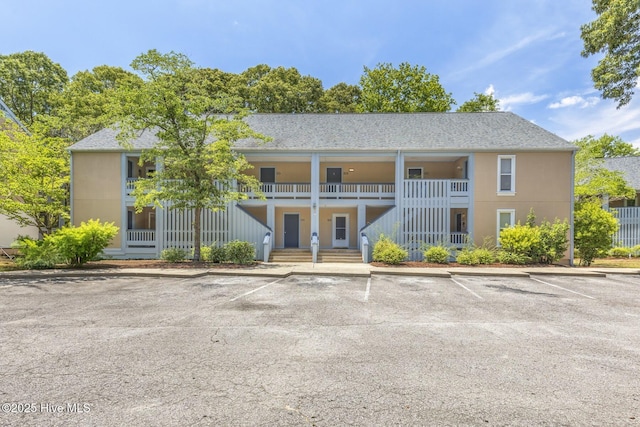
571,101
597,119
490,90
508,102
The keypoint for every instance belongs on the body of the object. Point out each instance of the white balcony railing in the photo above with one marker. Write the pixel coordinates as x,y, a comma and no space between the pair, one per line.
141,237
357,191
131,185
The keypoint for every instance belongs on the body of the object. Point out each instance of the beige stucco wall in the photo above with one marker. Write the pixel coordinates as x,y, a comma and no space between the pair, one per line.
97,188
437,170
304,227
9,230
543,182
325,233
370,172
286,172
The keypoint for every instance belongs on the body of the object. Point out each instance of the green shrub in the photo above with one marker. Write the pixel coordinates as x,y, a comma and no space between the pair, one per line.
216,254
173,254
387,251
553,241
240,252
620,252
505,257
485,255
77,245
467,257
594,228
35,254
522,241
635,251
205,253
437,254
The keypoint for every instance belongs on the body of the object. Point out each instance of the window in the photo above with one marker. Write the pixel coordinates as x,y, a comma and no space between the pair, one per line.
506,175
414,173
268,175
506,218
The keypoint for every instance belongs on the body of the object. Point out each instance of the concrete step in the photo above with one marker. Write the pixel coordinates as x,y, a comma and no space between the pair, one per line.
350,256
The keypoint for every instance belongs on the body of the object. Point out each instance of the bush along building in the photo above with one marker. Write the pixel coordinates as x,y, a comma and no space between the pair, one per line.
335,182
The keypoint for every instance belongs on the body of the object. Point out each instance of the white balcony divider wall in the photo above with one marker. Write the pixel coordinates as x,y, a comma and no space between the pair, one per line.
216,227
629,233
426,214
422,217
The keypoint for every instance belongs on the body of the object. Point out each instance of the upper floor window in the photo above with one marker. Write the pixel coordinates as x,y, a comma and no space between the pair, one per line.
506,175
268,175
414,173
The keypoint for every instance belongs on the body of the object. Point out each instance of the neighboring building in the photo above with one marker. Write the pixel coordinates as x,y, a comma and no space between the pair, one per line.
9,230
626,211
420,178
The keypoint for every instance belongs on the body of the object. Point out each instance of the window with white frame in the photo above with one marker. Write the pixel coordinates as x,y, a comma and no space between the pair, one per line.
506,174
506,218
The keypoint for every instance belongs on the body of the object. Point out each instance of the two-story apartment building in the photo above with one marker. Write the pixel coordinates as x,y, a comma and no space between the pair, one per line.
332,179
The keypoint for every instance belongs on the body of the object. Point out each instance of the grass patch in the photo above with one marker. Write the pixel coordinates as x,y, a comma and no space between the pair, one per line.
613,262
8,265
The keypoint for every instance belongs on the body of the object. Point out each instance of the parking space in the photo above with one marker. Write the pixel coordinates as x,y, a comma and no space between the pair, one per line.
321,350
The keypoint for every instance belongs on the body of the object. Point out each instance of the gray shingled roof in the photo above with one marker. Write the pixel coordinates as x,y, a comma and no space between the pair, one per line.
431,132
629,166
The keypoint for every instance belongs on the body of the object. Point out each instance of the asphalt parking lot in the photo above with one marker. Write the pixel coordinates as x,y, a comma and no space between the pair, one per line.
305,350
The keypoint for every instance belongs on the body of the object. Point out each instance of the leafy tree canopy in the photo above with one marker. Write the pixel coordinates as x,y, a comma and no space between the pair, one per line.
34,171
480,102
341,98
404,89
616,34
278,90
83,107
592,179
28,82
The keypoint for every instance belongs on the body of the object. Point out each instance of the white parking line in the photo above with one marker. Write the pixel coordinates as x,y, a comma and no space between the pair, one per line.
255,290
368,290
465,288
560,287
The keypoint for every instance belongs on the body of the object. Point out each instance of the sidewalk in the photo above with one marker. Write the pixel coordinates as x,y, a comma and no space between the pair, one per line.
322,269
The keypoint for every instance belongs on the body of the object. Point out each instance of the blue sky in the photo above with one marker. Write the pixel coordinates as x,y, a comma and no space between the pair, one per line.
527,52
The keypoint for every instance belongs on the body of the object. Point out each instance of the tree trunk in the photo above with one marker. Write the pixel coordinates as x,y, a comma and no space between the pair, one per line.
196,234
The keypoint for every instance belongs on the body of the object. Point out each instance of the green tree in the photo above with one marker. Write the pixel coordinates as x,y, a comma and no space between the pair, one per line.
594,230
28,82
479,103
278,90
615,34
199,165
34,172
83,107
341,98
592,179
605,146
404,89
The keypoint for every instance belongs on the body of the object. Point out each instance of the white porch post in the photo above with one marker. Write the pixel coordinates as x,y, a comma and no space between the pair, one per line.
362,219
399,192
123,204
271,220
315,193
471,191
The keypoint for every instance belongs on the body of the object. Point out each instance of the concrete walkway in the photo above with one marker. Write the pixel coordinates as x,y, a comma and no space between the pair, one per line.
326,269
